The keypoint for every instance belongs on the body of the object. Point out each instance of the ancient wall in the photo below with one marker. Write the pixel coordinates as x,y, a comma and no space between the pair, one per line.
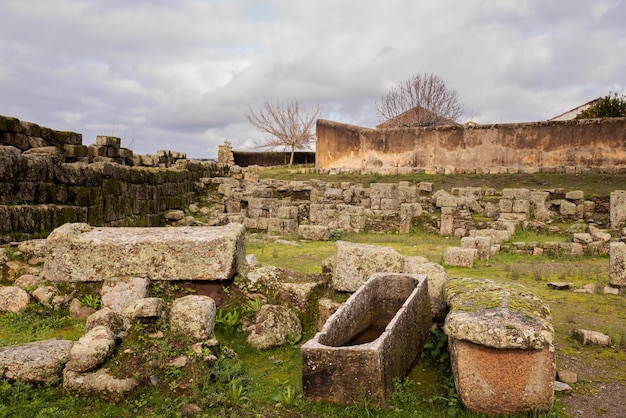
538,146
48,178
267,159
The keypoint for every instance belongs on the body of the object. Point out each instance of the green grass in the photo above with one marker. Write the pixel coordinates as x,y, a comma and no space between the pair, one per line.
249,382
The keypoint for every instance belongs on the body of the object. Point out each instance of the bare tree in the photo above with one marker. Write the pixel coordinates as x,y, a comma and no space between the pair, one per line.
285,124
421,100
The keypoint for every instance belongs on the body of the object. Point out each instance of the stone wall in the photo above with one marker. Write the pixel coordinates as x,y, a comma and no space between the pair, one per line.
319,210
48,178
536,146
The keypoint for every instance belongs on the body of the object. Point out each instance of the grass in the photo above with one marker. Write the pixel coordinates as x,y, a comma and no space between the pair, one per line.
249,382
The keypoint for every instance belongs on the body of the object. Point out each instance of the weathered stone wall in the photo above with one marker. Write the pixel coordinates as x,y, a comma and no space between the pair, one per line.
44,183
542,146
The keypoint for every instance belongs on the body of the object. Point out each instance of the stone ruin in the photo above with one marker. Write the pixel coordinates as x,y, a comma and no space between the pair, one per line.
412,287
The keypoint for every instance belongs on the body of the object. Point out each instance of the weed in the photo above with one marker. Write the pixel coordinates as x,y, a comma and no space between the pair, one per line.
228,321
234,392
92,301
288,397
293,339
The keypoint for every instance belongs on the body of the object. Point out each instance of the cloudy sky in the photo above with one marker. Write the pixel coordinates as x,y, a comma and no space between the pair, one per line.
180,74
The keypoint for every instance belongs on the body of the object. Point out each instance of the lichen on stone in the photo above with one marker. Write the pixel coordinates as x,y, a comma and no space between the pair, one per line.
496,315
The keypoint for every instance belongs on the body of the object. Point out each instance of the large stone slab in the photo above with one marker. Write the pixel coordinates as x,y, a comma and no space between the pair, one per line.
500,341
80,253
36,362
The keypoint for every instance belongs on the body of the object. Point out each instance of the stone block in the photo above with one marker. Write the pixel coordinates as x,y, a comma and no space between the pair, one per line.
516,194
78,252
575,195
355,263
447,224
501,347
282,226
314,232
460,257
567,208
481,244
496,235
37,362
618,208
617,264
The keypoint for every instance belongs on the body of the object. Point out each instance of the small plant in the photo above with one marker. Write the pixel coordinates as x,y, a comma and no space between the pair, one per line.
293,339
336,235
92,301
436,348
13,253
234,392
252,306
288,397
228,321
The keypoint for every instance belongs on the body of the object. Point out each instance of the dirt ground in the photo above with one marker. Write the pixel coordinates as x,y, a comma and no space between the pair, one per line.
599,392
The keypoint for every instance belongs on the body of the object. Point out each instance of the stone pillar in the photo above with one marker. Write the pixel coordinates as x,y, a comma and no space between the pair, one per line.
617,261
225,154
618,208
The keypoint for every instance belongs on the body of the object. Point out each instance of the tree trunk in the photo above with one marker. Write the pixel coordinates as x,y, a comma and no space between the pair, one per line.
293,149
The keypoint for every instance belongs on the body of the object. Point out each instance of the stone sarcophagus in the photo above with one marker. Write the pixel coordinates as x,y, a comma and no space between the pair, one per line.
372,339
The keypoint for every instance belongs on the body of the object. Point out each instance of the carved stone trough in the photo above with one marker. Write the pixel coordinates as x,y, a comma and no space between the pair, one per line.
373,338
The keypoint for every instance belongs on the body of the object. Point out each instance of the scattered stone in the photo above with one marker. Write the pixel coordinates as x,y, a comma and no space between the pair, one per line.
562,387
610,290
252,261
45,295
190,410
33,249
28,281
36,362
583,238
193,316
13,299
147,309
274,326
286,242
567,376
107,317
588,288
117,293
91,350
179,361
174,215
77,310
560,285
99,383
587,337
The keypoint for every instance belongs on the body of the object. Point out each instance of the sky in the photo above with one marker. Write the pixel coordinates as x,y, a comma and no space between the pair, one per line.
181,74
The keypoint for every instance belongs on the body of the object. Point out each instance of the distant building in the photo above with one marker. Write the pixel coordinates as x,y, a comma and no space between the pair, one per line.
405,119
571,114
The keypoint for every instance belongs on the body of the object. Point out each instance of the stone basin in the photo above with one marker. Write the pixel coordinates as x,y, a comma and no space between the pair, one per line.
371,339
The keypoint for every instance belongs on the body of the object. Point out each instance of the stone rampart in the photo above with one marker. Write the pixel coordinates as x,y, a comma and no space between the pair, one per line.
535,146
48,178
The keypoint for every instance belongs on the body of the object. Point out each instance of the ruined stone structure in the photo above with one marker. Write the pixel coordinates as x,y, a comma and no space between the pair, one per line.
48,178
529,147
